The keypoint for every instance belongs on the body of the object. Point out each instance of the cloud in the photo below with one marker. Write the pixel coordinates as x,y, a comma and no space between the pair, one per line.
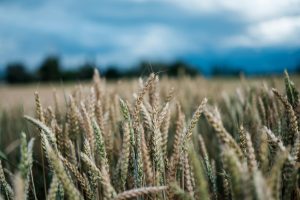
153,42
241,9
57,27
125,31
281,32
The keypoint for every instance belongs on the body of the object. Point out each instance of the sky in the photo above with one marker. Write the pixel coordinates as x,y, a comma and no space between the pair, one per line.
254,35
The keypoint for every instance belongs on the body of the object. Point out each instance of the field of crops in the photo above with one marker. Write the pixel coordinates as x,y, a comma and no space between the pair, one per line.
152,138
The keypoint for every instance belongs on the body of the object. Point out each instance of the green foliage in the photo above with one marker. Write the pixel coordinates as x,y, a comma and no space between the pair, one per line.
291,91
50,69
17,73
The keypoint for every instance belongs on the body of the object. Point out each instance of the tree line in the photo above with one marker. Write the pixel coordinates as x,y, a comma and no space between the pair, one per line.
51,70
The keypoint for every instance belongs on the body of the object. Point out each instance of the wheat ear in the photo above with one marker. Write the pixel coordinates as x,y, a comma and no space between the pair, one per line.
102,176
251,158
52,192
222,133
139,192
3,183
195,118
59,170
79,177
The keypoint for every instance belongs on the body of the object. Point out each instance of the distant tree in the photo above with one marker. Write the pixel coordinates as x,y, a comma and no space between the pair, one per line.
223,70
147,68
298,69
69,75
50,69
112,73
86,71
16,73
176,69
180,68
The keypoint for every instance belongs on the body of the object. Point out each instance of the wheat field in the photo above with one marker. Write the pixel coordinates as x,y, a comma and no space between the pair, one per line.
154,139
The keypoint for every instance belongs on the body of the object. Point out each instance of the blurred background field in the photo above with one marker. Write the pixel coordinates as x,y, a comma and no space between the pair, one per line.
22,96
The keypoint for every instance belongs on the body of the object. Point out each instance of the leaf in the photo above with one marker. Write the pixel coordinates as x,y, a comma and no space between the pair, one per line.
291,91
2,156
